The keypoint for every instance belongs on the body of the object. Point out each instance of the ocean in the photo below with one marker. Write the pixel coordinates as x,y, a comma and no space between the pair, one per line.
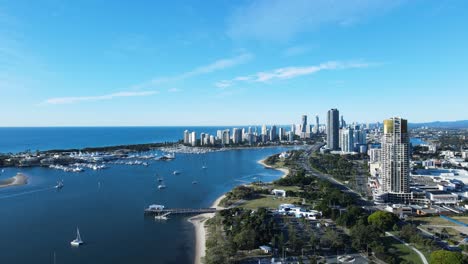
37,221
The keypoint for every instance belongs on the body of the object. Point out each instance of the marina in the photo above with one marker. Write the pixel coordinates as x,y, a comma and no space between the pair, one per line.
100,202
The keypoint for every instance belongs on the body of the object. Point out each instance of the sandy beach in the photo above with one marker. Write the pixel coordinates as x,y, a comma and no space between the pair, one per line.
284,170
198,222
18,179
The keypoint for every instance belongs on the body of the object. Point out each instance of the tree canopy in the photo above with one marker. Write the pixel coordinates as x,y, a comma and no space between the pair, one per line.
382,220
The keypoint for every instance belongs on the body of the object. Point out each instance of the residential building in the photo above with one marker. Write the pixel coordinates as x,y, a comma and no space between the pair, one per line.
333,129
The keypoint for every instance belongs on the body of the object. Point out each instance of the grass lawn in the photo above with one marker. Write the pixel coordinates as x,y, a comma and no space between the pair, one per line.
400,251
436,220
287,188
268,201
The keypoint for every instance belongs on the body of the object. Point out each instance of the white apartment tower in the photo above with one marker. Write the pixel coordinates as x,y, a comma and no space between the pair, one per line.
395,156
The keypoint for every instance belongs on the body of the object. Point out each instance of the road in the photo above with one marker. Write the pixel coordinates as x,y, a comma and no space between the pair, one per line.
421,255
304,162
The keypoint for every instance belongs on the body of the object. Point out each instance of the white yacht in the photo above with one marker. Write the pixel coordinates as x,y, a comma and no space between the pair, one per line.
204,167
77,241
161,186
176,172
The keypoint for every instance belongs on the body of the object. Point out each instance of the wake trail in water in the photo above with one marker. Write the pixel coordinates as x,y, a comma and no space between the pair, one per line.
25,193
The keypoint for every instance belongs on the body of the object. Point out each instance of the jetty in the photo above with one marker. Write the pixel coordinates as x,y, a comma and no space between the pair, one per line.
158,209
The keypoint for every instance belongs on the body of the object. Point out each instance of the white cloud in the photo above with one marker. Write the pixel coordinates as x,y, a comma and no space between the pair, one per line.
217,65
71,100
281,20
292,72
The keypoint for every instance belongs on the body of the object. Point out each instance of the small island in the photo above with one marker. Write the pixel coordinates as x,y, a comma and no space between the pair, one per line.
17,180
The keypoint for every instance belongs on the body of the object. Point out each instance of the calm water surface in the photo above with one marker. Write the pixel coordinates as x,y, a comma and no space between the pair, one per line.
107,206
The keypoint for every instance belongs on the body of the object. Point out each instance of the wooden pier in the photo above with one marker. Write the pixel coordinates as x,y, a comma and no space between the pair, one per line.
181,211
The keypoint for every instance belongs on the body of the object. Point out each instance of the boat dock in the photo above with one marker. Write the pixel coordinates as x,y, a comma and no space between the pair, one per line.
180,211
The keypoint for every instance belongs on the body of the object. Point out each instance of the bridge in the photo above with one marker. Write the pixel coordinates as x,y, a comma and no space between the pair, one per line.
180,211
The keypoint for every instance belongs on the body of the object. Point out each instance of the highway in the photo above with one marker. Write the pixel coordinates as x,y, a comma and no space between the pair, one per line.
304,163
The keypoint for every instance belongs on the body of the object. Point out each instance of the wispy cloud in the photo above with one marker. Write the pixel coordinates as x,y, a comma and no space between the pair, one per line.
281,20
217,65
78,99
292,72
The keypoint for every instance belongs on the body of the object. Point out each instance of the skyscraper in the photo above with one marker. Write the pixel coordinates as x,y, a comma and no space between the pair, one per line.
273,133
281,133
304,124
346,140
264,130
237,135
395,156
186,137
226,137
333,129
193,138
317,124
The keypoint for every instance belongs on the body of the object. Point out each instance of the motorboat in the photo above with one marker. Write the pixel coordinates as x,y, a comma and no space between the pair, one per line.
176,172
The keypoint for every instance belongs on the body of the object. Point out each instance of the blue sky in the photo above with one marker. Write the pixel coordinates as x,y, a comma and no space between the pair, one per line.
77,63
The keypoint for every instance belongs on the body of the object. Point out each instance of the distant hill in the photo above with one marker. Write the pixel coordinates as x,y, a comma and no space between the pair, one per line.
442,124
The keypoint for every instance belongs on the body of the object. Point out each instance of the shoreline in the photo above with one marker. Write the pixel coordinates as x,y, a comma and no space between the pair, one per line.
198,221
17,180
285,171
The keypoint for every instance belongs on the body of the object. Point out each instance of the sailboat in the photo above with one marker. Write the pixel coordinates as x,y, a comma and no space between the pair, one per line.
77,241
59,185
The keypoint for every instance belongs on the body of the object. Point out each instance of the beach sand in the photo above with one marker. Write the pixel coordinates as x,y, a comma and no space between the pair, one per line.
198,222
18,179
285,171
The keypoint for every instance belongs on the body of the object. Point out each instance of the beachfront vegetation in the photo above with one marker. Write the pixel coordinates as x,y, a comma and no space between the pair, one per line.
234,231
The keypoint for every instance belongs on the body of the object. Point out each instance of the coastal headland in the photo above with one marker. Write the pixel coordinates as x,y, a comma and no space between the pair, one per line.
199,221
17,180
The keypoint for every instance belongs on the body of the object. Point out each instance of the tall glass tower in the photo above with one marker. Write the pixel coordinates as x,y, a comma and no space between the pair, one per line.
333,129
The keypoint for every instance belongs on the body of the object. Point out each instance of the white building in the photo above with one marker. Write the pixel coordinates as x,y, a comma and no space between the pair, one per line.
193,138
395,159
346,140
186,137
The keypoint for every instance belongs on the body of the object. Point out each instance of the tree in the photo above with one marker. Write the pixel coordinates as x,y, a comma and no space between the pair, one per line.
382,220
245,239
363,235
446,257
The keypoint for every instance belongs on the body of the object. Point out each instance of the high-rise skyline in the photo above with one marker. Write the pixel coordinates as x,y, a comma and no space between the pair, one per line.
333,127
395,156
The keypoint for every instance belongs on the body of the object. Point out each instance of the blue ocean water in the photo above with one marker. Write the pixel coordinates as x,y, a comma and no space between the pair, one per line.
17,139
37,221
